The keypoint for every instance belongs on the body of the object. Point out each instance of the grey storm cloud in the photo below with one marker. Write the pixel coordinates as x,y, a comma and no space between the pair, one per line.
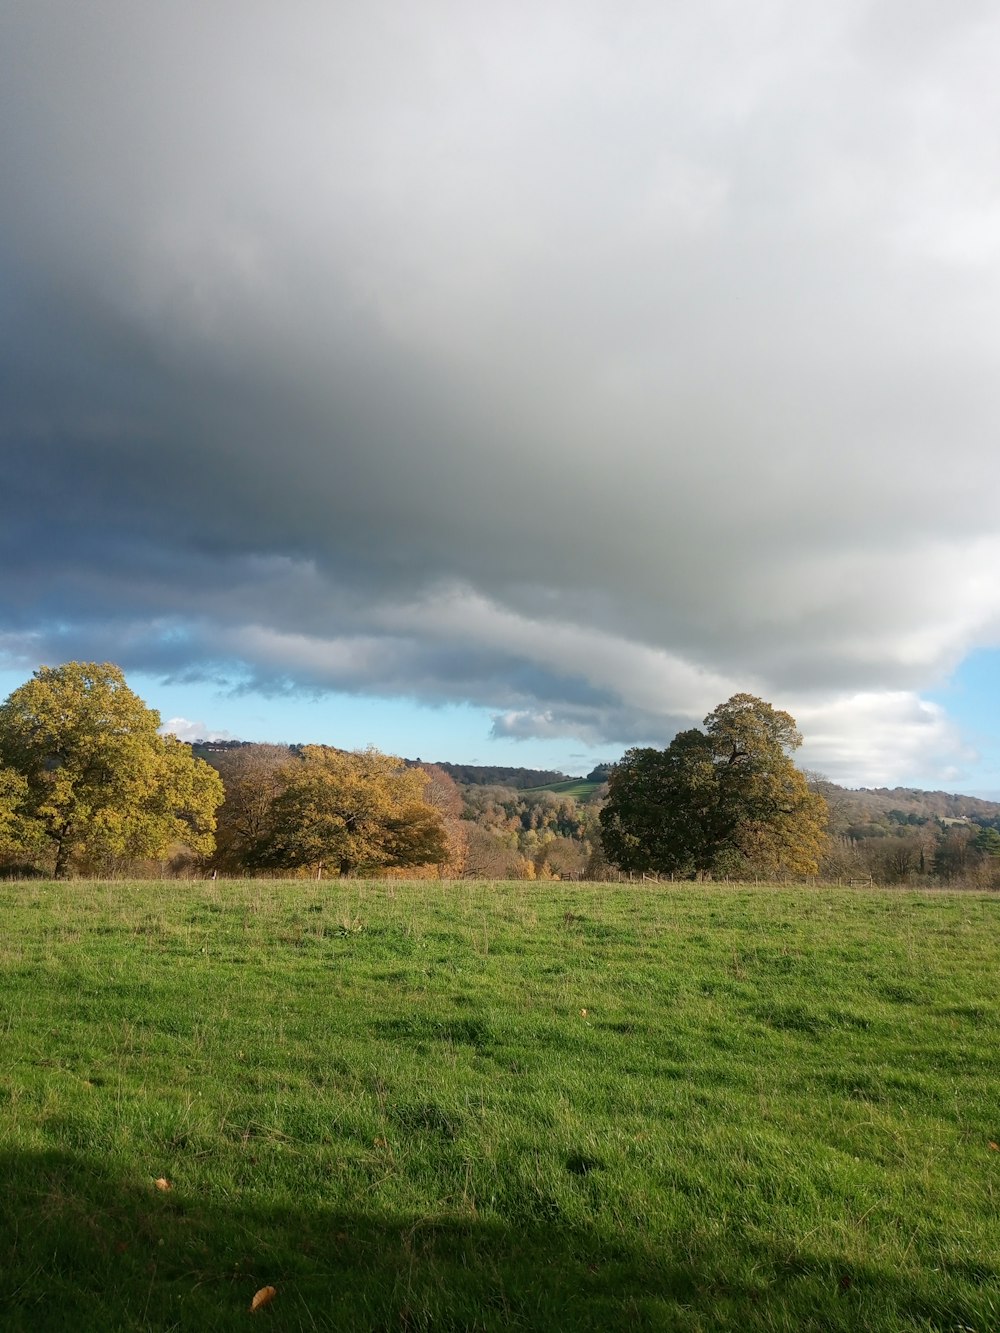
587,362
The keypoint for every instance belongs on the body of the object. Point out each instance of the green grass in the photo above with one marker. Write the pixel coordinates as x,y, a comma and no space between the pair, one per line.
575,787
482,1107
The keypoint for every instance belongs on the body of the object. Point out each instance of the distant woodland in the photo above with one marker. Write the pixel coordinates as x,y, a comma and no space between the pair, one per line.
88,786
509,823
515,829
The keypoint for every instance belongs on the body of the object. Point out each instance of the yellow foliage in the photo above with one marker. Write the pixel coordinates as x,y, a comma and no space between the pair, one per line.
102,786
347,812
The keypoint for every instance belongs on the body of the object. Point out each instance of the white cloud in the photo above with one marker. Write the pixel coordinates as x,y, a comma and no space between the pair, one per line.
186,730
870,739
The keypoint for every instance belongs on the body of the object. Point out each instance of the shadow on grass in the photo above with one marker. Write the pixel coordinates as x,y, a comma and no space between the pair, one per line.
82,1250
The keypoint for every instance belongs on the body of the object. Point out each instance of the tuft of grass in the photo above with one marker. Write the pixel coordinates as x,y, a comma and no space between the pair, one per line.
643,1107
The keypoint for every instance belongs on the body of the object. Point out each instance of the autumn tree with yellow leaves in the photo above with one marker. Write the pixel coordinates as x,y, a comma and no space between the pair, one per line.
90,783
349,812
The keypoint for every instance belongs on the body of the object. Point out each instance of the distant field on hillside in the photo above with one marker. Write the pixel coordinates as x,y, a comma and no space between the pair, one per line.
494,1106
575,787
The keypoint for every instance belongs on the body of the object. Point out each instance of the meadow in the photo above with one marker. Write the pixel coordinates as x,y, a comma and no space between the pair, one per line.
579,788
425,1106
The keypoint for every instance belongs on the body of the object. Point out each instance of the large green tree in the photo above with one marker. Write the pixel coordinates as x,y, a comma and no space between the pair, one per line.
99,785
724,800
350,811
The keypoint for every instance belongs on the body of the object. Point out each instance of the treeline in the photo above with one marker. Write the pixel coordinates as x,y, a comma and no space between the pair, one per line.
875,805
88,786
901,835
313,809
966,854
486,832
493,775
492,830
517,834
915,842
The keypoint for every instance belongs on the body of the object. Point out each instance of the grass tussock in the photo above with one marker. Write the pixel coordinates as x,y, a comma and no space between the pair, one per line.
498,1106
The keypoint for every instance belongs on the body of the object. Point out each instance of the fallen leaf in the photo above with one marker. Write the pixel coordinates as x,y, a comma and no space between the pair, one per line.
263,1297
583,1013
163,1183
995,1146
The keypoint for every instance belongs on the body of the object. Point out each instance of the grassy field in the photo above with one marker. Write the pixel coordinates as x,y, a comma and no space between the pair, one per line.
476,1107
578,788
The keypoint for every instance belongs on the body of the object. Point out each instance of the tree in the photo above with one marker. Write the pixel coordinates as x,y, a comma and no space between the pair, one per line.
101,786
491,854
660,807
560,857
987,842
724,800
353,811
956,853
20,835
442,792
250,777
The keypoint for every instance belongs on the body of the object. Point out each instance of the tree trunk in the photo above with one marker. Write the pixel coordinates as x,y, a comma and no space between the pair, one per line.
62,856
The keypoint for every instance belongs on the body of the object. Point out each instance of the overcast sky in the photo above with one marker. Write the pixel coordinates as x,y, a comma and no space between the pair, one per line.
515,380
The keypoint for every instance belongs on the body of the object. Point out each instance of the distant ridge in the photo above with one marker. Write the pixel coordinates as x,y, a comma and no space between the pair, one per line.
492,775
869,801
847,804
470,775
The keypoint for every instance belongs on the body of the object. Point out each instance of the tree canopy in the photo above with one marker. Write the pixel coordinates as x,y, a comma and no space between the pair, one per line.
250,776
724,800
20,836
94,782
350,811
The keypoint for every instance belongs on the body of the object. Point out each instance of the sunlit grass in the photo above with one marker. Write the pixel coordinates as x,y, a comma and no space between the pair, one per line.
579,788
468,1106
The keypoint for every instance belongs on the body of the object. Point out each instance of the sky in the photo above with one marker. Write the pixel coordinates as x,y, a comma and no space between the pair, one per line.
509,384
